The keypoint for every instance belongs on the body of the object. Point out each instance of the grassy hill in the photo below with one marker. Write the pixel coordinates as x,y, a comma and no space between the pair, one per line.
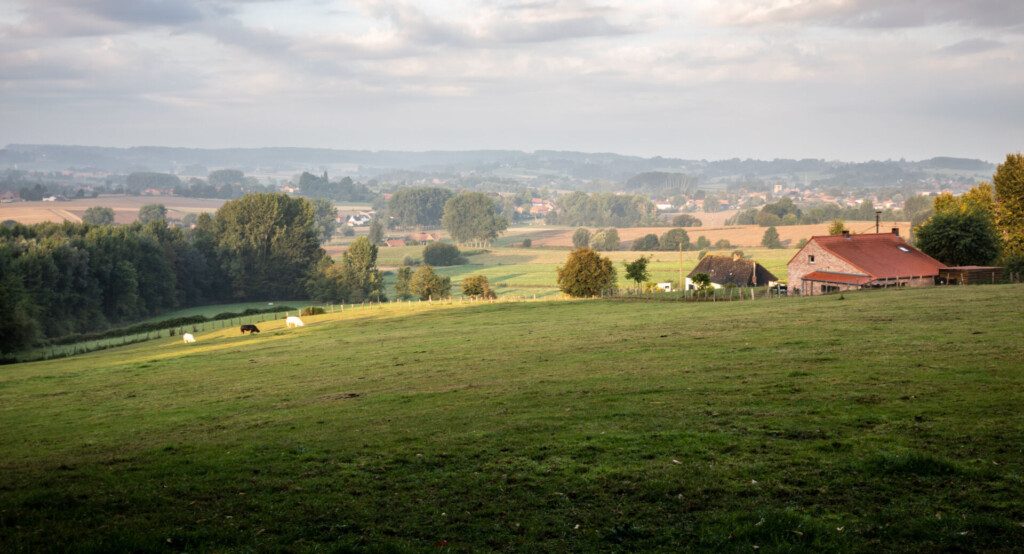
888,420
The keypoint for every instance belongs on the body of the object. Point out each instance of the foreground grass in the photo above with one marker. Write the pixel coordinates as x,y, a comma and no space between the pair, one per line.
888,420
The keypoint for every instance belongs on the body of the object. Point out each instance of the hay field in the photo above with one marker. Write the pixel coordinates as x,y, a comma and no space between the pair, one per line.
126,208
744,236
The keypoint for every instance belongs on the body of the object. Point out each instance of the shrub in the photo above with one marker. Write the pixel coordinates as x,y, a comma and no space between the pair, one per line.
723,244
410,261
312,310
477,286
527,243
673,238
586,273
427,284
702,281
348,231
646,243
605,239
686,220
442,254
581,238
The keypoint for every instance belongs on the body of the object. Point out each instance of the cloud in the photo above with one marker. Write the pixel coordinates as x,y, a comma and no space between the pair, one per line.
1004,14
970,46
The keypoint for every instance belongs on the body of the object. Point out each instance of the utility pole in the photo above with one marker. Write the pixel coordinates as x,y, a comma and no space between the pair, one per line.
681,287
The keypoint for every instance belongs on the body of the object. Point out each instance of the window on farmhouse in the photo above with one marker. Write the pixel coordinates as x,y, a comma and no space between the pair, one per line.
810,258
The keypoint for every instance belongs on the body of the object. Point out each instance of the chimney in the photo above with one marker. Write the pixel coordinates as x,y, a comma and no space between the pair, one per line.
896,231
846,234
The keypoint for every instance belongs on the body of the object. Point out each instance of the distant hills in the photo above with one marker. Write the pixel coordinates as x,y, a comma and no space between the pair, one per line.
611,167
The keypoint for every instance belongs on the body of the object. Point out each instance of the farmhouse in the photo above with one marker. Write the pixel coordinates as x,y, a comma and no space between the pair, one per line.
843,262
395,242
737,271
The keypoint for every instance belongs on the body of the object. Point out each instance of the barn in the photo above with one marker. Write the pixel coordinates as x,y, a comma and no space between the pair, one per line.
735,270
844,262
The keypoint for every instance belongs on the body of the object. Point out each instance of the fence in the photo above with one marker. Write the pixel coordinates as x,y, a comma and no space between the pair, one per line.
84,347
724,294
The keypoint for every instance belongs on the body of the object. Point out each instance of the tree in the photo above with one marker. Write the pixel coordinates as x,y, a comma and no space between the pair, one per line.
702,243
269,244
723,244
646,243
376,234
354,279
581,238
477,286
959,238
18,326
402,280
427,284
701,281
674,238
527,243
98,215
226,177
686,220
636,270
586,273
442,254
419,207
326,216
836,227
473,216
1009,192
152,212
605,239
770,239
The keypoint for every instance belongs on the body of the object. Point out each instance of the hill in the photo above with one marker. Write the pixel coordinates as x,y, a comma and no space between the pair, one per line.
887,420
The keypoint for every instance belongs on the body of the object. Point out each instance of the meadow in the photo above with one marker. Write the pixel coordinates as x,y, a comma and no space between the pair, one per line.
533,271
872,421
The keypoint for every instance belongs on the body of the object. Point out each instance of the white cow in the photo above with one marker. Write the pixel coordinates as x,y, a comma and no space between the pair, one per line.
188,338
293,321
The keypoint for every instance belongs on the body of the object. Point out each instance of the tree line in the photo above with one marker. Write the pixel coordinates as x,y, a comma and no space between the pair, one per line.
70,278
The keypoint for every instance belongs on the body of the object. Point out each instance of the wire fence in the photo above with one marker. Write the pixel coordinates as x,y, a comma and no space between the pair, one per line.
84,347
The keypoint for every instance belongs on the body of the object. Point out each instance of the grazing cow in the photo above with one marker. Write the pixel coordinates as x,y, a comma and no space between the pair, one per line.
188,338
251,328
293,321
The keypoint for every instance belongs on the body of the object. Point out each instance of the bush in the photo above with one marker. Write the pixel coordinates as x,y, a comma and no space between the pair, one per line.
686,220
723,244
605,239
646,243
442,254
477,286
527,243
586,273
410,261
581,238
673,238
347,231
427,284
312,310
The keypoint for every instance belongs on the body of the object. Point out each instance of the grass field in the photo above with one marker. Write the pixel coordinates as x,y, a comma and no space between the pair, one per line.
876,421
533,271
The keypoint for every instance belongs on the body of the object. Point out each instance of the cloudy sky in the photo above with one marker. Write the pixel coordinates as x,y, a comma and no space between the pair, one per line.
837,79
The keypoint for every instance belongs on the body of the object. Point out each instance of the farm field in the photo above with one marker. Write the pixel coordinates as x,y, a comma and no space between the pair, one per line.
885,420
533,271
126,208
741,236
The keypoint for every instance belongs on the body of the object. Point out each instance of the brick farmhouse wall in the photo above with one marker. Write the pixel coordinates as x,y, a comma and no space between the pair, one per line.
825,260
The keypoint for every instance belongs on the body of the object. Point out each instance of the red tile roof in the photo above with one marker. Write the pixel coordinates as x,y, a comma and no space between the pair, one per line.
881,255
830,277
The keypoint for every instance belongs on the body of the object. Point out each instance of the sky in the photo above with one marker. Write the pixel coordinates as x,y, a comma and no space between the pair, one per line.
701,79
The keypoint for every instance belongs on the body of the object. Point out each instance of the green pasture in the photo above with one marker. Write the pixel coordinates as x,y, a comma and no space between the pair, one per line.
533,271
873,421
